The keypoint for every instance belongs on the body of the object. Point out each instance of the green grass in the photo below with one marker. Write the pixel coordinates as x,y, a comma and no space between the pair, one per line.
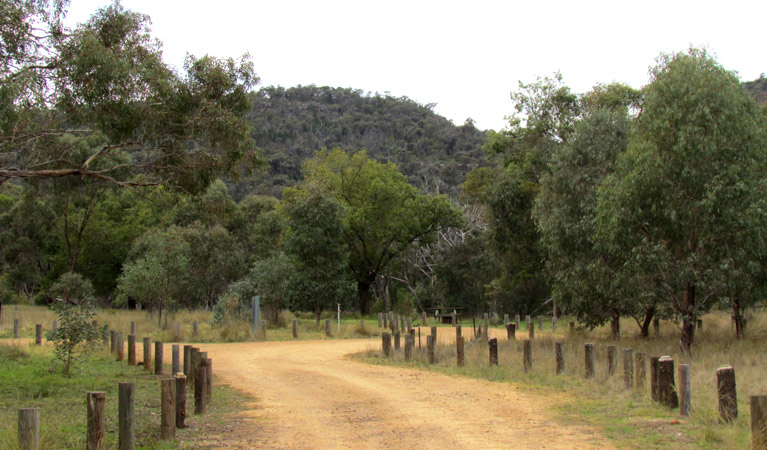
30,380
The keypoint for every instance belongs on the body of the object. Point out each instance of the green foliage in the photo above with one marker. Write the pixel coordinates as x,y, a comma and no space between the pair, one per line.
76,335
273,279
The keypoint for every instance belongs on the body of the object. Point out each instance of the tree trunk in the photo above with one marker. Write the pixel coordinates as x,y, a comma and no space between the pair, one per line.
363,292
737,316
688,319
648,316
615,323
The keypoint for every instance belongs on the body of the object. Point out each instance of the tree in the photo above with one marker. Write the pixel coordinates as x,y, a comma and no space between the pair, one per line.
384,214
690,172
106,80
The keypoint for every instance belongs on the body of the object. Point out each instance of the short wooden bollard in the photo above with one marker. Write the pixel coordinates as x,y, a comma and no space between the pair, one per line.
458,332
131,350
194,362
187,358
295,329
120,347
158,358
589,355
386,344
685,390
528,322
96,404
727,394
176,361
454,319
396,341
628,368
527,356
147,354
505,319
126,416
54,326
409,324
16,328
434,335
540,323
167,409
133,328
39,334
408,346
423,319
208,380
654,378
554,323
180,399
758,422
195,329
459,351
385,320
531,330
640,369
29,429
201,374
492,345
380,320
560,356
612,360
430,345
327,328
666,386
516,321
511,331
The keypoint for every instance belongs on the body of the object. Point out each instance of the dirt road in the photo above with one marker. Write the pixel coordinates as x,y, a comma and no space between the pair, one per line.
311,396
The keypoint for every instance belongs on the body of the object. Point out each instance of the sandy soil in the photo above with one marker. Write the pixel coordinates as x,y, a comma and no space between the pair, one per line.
310,395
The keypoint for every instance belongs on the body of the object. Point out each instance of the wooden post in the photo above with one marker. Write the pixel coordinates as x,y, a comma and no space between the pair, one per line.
459,351
487,326
492,344
396,341
131,350
194,362
628,368
112,341
666,387
560,355
511,331
176,362
434,335
640,368
199,387
727,394
133,328
380,320
385,320
455,318
120,347
54,326
295,329
516,321
758,422
187,358
158,358
589,352
168,408
458,332
540,323
527,356
423,319
531,330
125,416
195,329
408,346
409,324
29,428
386,343
16,328
96,404
654,378
180,400
505,319
685,390
39,334
208,381
612,360
327,328
554,323
528,321
147,354
430,346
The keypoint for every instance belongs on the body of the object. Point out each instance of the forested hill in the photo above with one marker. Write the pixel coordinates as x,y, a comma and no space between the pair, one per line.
291,124
758,88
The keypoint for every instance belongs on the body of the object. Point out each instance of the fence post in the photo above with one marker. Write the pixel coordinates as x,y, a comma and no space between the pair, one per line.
430,346
458,332
589,353
327,328
147,354
727,394
511,331
531,330
195,329
540,324
685,390
125,415
176,361
55,326
208,380
295,329
187,358
492,345
640,369
131,350
180,399
29,428
386,343
459,352
120,347
528,322
39,334
408,346
628,368
158,358
758,422
516,321
133,328
396,341
16,328
167,408
527,356
505,319
199,387
612,360
96,422
666,387
560,355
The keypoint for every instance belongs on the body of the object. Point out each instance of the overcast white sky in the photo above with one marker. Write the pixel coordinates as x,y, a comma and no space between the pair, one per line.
464,56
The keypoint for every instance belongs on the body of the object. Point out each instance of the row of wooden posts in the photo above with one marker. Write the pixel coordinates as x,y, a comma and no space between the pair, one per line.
55,326
197,373
397,322
662,383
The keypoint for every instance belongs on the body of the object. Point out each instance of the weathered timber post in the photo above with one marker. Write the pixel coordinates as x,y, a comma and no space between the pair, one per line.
430,345
385,320
459,351
187,358
327,328
200,376
685,390
423,319
29,428
131,350
168,408
516,321
511,331
195,329
403,322
505,319
554,323
409,346
39,334
96,408
158,358
176,361
55,326
180,399
666,387
380,320
727,394
295,329
409,324
396,341
133,328
126,416
527,362
654,378
120,347
628,368
458,332
386,343
589,353
16,328
492,345
147,354
528,322
540,323
560,356
612,360
209,381
758,422
454,318
640,368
